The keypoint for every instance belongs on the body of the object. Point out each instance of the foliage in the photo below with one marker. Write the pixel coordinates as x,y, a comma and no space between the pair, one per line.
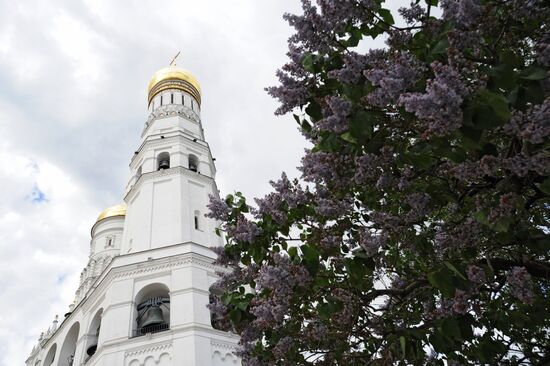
418,232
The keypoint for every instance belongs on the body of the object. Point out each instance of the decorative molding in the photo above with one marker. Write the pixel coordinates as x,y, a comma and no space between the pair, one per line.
145,177
223,345
148,349
153,141
169,110
176,84
152,268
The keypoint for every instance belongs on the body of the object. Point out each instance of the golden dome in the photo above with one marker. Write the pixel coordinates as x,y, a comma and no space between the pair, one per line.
173,77
118,210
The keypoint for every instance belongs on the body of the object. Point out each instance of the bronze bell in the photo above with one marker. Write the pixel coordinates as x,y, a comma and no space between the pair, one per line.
164,164
152,316
91,350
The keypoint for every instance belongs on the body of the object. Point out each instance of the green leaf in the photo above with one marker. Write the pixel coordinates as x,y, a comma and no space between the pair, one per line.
534,73
440,47
355,37
386,15
308,64
235,315
455,271
491,348
545,186
242,305
443,281
346,136
314,111
451,328
466,331
489,110
229,200
292,252
481,217
403,343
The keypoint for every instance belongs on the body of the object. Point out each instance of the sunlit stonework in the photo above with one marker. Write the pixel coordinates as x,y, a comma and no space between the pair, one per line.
143,295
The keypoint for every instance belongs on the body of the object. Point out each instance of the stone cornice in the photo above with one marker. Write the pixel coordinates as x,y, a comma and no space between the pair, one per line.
146,177
170,110
149,142
147,267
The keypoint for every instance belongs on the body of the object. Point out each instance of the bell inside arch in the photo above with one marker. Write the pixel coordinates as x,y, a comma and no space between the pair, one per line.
164,164
151,316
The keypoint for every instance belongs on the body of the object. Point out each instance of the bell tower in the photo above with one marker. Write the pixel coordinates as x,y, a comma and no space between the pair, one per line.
143,296
172,171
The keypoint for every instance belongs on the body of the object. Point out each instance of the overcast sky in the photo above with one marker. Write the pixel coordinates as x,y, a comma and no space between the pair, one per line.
73,77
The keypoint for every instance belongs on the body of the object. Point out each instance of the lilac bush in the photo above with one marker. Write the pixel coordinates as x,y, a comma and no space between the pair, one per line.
418,230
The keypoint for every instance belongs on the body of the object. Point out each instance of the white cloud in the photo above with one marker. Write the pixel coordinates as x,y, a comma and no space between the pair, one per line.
42,243
73,78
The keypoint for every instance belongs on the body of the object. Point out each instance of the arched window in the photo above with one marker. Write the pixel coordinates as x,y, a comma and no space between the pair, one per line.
66,355
163,161
50,357
193,163
152,310
197,220
93,334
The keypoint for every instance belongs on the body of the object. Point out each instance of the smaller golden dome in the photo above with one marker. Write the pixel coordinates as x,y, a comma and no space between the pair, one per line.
118,210
173,77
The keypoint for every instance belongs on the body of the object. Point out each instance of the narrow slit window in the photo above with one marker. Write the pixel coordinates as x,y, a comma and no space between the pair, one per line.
182,100
192,106
197,220
161,100
172,98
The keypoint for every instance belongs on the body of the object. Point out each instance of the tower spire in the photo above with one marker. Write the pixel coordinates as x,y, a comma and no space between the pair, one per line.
173,62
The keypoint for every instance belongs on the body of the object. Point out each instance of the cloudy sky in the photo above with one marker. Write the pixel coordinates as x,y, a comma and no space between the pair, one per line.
73,77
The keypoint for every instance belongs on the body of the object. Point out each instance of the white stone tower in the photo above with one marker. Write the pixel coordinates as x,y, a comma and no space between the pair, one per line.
142,297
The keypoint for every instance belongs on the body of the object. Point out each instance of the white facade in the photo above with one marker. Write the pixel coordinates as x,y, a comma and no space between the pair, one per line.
156,253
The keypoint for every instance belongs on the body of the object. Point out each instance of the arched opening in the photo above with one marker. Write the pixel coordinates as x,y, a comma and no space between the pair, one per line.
193,162
92,336
139,171
152,310
66,355
197,221
163,161
50,356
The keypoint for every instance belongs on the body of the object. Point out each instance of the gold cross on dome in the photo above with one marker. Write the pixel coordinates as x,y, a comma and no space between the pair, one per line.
173,62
